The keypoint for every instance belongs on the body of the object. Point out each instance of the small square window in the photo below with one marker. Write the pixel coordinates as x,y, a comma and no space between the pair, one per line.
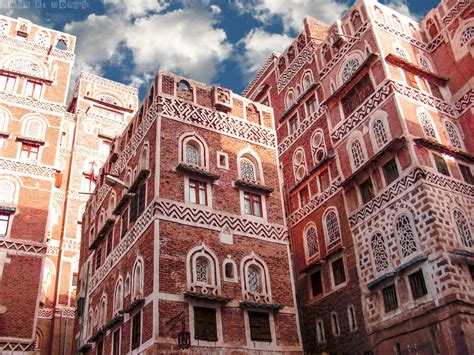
338,271
222,160
367,190
441,165
316,283
390,171
390,300
260,326
205,326
417,284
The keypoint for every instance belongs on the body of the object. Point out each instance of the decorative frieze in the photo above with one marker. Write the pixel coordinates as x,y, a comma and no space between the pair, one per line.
109,84
31,103
23,245
27,168
455,11
257,77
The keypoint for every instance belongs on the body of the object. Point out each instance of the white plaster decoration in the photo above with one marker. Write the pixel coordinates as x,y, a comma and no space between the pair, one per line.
255,279
463,229
203,273
318,146
379,253
406,235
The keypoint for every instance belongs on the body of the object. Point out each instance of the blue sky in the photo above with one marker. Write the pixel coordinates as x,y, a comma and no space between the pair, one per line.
222,42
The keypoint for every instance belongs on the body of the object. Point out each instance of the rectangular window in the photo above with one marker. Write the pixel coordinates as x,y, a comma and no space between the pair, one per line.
367,190
390,300
320,331
4,222
100,347
304,196
198,192
260,326
311,105
466,174
98,258
390,171
74,279
124,223
324,180
435,91
137,205
357,95
411,80
338,272
441,165
105,146
136,330
205,325
33,89
417,284
253,204
116,342
29,151
110,240
294,124
62,139
471,271
316,283
7,83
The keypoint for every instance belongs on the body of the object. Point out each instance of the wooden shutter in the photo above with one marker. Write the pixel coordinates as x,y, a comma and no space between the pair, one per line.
141,199
134,208
205,324
211,324
260,326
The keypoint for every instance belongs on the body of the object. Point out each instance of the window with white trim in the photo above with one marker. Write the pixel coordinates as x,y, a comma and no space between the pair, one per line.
466,36
203,271
380,133
312,244
349,68
318,147
255,280
352,318
4,27
406,235
452,134
7,83
379,253
103,311
336,330
320,336
42,38
299,164
357,153
463,229
427,124
137,280
33,89
333,231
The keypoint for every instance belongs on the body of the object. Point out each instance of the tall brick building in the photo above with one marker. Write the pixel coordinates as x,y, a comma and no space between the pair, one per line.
50,154
373,116
184,237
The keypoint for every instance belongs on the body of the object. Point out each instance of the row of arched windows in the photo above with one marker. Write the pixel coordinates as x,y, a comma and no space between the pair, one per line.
42,38
287,58
318,152
32,126
332,234
292,94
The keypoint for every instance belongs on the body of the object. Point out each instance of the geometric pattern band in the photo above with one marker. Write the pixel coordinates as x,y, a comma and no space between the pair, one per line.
27,168
21,245
455,11
305,56
405,183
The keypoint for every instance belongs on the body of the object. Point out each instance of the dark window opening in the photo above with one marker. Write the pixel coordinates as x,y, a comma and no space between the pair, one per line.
390,171
294,124
417,284
466,174
435,90
471,271
324,180
311,105
229,270
304,196
260,326
205,327
390,300
253,204
338,272
441,165
136,330
316,283
116,342
367,190
124,223
137,205
110,238
358,94
98,258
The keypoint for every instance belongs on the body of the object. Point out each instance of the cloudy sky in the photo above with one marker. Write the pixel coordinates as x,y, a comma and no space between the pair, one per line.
222,42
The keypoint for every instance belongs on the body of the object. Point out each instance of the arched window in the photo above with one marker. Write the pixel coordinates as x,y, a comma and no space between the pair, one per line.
108,99
290,98
112,203
203,271
452,135
299,164
318,147
183,85
144,158
432,29
379,253
312,244
61,44
193,151
252,113
4,27
406,235
33,128
247,169
24,65
230,272
396,23
357,153
137,280
336,330
332,229
103,311
326,52
7,192
42,38
307,80
255,280
349,68
90,323
426,124
425,64
380,133
378,14
291,54
356,20
413,31
301,43
462,226
466,36
118,296
401,53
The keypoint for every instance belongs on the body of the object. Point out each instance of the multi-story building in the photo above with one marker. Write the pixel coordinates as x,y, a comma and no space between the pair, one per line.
49,155
183,239
384,105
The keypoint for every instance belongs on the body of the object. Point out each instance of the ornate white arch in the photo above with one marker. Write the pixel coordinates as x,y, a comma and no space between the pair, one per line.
265,292
349,66
250,154
213,284
198,142
375,138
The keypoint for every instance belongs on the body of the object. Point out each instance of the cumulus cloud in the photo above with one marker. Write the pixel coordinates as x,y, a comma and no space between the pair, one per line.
292,12
136,7
257,46
401,6
185,41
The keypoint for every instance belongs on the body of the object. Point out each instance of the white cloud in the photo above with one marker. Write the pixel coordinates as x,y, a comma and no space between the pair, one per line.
401,6
184,41
258,45
292,12
136,7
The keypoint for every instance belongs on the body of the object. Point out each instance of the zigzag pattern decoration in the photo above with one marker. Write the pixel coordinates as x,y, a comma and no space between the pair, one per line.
69,312
23,246
31,103
369,105
53,251
297,216
45,313
217,121
305,56
403,185
465,102
180,212
305,125
27,168
116,125
37,49
342,52
260,73
455,11
13,347
384,27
